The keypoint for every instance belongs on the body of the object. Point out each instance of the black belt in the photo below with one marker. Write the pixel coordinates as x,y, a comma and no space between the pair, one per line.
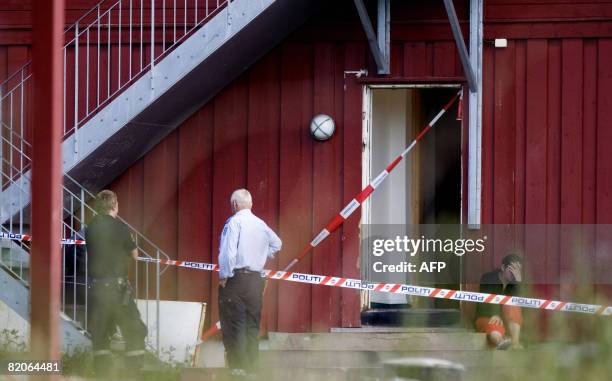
246,271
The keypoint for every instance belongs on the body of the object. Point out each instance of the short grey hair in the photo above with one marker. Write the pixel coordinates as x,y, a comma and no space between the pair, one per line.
242,197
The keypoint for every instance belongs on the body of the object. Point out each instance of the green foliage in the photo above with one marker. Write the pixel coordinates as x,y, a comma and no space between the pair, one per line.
79,362
12,344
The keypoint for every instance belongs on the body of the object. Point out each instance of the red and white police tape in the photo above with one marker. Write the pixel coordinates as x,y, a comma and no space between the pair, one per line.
407,289
354,204
335,222
28,238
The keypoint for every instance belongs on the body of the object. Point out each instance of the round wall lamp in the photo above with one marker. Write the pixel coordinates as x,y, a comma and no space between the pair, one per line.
322,127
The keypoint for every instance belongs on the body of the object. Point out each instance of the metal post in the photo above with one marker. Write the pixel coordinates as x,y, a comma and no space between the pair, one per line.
475,116
108,55
63,279
21,153
74,261
47,64
141,34
1,142
82,200
82,231
147,295
131,53
371,36
384,35
119,51
136,270
86,286
157,302
87,75
65,104
76,87
174,21
463,55
98,63
152,38
11,167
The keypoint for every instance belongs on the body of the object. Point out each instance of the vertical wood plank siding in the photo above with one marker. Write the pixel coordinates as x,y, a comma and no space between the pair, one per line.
547,133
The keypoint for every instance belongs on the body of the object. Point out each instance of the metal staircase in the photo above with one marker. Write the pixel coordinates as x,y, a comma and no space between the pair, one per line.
15,258
133,71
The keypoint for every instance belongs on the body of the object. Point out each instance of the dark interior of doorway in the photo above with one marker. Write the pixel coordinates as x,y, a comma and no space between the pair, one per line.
440,179
439,161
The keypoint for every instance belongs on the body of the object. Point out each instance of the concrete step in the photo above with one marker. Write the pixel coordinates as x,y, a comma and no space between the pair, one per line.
347,374
367,365
283,374
376,341
385,329
412,317
360,359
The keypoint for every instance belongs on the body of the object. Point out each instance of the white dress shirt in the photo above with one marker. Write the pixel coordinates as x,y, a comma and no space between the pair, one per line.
246,243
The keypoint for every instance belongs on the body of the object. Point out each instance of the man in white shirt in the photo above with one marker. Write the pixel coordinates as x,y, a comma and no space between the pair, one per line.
246,243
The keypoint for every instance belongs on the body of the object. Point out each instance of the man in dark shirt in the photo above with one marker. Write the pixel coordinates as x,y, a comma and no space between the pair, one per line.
109,248
493,319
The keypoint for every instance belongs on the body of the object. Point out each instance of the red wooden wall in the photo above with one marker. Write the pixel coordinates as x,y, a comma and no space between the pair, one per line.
545,160
16,30
545,138
255,134
541,106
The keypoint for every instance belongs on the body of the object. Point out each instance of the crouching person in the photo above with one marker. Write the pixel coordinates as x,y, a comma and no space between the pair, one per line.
498,320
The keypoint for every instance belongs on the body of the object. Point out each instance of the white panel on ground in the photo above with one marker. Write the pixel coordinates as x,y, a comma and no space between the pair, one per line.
178,327
391,125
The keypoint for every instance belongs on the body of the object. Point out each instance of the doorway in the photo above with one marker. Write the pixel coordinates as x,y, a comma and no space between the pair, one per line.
424,189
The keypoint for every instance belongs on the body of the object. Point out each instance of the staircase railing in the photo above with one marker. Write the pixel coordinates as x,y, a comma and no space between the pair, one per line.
76,211
107,49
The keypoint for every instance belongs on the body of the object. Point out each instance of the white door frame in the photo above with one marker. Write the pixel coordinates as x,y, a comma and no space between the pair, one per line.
366,162
366,128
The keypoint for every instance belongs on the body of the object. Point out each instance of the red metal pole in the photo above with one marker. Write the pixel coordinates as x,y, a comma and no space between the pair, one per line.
47,75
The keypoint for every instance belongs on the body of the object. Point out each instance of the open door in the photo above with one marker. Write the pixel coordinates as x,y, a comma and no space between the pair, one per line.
424,190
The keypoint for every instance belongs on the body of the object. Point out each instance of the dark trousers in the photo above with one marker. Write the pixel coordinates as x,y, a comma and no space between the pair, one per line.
240,311
112,306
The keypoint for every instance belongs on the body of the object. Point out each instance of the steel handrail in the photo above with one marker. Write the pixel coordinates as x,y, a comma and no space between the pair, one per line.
96,24
81,30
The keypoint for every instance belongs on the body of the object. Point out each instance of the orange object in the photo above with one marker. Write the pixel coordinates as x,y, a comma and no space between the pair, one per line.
510,314
482,325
